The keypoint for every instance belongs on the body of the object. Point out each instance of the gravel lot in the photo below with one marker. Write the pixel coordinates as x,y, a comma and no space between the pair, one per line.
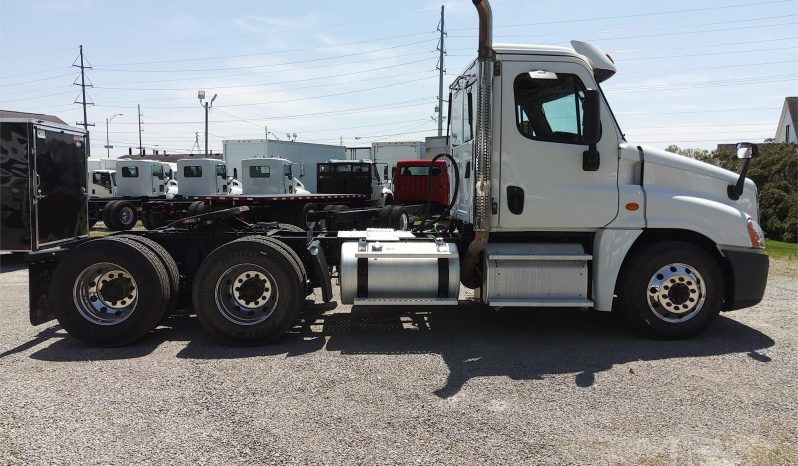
423,386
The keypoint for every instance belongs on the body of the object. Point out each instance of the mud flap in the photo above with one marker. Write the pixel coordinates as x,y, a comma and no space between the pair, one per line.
321,270
40,275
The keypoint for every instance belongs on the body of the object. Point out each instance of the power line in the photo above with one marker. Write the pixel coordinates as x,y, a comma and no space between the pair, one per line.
127,70
314,78
249,104
370,108
635,15
259,74
271,52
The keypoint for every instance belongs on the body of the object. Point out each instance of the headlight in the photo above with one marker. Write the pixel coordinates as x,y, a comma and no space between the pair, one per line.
756,234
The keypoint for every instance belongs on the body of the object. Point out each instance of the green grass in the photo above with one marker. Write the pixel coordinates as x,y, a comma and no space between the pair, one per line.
781,250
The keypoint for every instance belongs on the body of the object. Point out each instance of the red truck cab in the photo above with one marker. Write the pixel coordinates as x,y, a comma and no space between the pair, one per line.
410,182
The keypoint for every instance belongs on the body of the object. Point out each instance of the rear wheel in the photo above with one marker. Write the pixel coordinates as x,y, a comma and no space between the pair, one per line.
121,215
196,208
671,289
398,218
109,291
248,291
107,217
168,262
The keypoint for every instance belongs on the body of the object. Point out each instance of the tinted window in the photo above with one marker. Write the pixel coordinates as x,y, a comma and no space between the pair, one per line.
324,168
550,109
259,171
221,170
192,171
130,172
420,171
157,170
287,171
343,168
95,178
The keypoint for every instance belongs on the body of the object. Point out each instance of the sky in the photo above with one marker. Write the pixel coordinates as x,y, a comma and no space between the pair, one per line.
690,73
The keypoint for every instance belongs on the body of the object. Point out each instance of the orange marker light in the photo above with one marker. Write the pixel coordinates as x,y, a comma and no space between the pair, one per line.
632,206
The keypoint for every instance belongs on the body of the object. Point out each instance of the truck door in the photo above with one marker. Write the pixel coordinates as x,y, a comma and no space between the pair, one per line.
288,179
543,185
221,178
60,207
158,181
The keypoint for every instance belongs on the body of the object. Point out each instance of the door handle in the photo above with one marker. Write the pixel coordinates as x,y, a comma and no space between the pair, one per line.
515,199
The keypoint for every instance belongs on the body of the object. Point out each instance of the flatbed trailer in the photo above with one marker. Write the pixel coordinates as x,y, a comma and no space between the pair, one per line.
121,213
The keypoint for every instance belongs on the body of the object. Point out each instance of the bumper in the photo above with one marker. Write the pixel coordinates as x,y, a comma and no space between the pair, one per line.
749,276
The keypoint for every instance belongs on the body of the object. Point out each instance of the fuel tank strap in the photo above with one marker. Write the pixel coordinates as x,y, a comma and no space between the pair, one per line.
363,277
443,278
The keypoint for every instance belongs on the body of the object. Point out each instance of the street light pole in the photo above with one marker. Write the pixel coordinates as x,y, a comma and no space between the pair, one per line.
107,139
208,106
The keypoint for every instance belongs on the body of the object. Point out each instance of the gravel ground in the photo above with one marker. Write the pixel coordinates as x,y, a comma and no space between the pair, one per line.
425,386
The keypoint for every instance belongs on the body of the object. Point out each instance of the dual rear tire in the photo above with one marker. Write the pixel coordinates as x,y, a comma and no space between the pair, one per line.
120,215
111,291
249,291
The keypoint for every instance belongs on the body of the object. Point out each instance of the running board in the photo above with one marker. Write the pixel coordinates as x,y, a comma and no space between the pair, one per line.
404,302
541,303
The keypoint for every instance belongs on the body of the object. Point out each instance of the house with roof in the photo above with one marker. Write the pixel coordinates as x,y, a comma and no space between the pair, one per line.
788,122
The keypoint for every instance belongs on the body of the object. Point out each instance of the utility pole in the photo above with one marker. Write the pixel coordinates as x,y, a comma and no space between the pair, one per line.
85,123
206,128
265,141
141,148
442,49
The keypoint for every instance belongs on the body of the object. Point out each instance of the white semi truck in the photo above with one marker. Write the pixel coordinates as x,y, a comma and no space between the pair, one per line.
552,207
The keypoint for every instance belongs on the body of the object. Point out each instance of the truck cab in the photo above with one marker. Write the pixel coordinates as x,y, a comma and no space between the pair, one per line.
353,177
102,183
411,181
141,178
203,177
272,175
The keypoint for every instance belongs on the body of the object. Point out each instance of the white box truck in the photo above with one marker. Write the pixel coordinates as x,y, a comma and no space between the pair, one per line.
552,208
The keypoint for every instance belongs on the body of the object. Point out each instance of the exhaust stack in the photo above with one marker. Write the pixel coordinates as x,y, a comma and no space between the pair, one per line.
483,146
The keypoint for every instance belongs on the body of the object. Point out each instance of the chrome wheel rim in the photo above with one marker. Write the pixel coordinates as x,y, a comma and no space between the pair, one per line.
676,293
246,294
105,294
126,215
404,221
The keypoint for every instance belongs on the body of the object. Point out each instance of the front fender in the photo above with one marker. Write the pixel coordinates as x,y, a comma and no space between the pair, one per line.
723,224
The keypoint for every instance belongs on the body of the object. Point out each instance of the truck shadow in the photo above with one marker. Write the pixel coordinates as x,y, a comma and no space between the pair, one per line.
472,340
11,262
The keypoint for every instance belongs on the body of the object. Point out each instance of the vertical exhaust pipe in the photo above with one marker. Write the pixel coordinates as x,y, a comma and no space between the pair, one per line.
483,146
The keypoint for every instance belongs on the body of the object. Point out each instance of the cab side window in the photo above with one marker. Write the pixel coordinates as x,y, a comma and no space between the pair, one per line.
550,109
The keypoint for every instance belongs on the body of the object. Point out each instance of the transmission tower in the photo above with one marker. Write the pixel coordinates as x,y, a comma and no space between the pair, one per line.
196,143
81,62
441,70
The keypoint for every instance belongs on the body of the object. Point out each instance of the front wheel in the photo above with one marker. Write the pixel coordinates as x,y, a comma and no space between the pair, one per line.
671,289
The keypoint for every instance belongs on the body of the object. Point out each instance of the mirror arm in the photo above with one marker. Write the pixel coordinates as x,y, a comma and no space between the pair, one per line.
734,191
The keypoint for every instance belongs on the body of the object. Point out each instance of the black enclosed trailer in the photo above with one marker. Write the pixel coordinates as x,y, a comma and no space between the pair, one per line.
42,184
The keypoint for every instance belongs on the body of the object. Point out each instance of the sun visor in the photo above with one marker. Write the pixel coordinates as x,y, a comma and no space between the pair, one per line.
603,67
